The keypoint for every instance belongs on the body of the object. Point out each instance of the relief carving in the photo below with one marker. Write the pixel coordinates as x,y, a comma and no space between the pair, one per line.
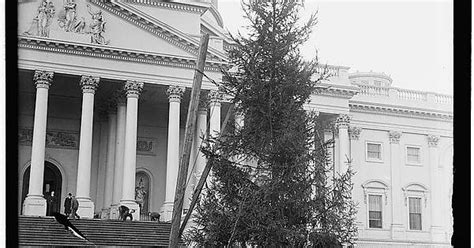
42,21
97,27
68,19
146,146
54,139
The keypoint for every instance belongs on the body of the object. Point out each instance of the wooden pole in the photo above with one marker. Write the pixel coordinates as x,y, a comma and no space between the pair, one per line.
202,180
188,138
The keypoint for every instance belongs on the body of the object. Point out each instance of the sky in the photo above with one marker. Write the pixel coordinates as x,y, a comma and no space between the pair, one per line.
412,41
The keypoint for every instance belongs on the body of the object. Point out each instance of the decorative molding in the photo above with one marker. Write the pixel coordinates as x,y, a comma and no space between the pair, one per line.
99,51
394,137
342,121
89,84
175,93
146,146
133,88
389,110
43,79
375,186
64,139
157,27
415,189
170,5
432,140
354,132
333,90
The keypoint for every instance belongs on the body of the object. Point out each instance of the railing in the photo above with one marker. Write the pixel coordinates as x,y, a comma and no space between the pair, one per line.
404,94
412,95
371,90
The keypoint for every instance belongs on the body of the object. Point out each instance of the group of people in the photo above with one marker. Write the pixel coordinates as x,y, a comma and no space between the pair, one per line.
70,206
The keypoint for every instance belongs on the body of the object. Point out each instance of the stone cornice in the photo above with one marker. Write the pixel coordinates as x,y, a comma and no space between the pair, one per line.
108,52
170,5
347,92
159,28
399,111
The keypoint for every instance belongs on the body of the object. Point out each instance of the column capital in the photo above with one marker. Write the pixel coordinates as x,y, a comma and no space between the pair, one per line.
394,137
432,140
354,132
89,84
133,88
342,121
43,79
215,96
175,93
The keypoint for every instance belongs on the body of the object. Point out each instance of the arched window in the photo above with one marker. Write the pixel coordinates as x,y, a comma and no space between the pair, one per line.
375,198
415,199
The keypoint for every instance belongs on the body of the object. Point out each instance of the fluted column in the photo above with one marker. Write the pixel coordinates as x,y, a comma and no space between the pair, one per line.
121,101
342,125
34,203
109,170
215,99
397,227
172,159
89,85
133,90
437,232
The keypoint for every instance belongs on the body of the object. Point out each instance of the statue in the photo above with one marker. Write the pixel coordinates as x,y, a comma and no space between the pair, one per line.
42,21
97,27
68,19
140,193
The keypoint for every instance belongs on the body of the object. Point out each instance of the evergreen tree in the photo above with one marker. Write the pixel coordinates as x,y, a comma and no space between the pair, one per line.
269,178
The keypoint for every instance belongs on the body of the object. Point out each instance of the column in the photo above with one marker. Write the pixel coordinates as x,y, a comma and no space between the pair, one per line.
109,169
172,159
437,232
34,203
342,125
121,101
215,99
197,160
86,207
397,226
133,90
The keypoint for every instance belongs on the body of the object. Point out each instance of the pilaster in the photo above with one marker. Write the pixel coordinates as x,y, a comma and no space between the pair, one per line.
342,125
397,226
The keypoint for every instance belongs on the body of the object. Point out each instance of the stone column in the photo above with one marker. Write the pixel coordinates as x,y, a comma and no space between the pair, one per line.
172,159
215,99
133,90
397,227
119,151
437,232
34,203
342,125
197,160
89,85
109,170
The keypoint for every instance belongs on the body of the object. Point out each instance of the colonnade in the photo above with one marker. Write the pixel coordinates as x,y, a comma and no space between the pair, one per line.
120,167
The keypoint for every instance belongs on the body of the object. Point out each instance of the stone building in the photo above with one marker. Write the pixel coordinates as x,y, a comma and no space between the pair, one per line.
104,88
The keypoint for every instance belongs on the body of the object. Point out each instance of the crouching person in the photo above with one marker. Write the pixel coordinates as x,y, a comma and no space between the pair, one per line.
154,216
125,212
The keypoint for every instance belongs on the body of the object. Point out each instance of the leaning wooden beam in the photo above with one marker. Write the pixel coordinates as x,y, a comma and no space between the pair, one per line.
205,173
188,138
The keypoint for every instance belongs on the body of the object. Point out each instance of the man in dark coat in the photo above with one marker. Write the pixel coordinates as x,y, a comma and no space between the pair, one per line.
74,207
67,204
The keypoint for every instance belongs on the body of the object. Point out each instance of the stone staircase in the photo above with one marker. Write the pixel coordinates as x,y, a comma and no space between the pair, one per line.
46,231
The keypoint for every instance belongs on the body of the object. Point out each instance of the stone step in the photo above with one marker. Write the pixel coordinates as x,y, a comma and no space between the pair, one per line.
47,231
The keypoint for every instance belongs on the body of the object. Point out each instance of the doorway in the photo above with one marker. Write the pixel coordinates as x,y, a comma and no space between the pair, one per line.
52,181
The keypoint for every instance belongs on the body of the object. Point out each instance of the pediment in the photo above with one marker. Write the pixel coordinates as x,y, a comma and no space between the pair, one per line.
121,26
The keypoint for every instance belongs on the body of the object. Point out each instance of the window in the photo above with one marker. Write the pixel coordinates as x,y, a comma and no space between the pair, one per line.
413,155
375,211
377,83
414,206
374,152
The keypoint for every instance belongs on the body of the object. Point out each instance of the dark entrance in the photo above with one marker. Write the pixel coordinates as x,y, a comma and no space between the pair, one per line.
52,181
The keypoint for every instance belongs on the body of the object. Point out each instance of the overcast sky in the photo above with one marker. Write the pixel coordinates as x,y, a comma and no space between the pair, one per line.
409,40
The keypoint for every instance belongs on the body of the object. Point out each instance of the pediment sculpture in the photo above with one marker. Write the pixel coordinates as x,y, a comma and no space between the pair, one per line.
68,20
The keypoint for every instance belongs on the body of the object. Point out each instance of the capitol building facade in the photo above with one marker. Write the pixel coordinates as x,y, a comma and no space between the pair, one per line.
104,88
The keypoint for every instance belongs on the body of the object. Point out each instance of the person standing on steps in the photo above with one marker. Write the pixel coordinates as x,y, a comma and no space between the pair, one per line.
74,207
67,204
